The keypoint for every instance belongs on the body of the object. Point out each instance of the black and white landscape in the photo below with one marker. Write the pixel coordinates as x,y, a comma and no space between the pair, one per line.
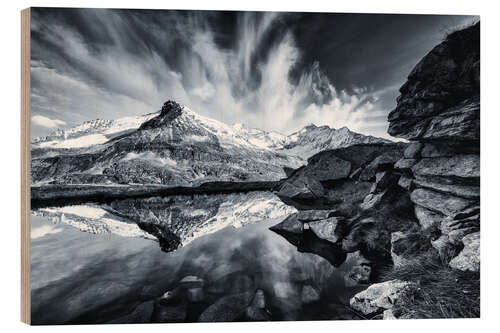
235,166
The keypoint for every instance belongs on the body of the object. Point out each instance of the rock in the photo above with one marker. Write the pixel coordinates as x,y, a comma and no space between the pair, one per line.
383,181
357,275
227,309
141,314
359,269
330,229
444,247
440,98
380,296
435,201
380,163
195,295
283,289
329,169
191,281
461,122
449,149
406,183
169,313
398,260
389,315
256,311
469,258
461,224
465,166
371,200
303,187
413,150
290,226
428,218
171,296
405,163
309,294
314,214
355,174
464,191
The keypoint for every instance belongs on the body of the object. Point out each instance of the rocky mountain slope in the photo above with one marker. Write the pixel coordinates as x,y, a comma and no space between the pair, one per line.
176,146
406,215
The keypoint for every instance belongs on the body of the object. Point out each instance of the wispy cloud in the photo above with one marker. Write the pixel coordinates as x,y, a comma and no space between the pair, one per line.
47,122
110,63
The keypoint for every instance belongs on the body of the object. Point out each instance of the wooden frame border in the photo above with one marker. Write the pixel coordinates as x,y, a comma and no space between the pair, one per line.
25,167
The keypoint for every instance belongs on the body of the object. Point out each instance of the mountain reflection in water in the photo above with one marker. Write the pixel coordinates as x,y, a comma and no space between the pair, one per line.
112,269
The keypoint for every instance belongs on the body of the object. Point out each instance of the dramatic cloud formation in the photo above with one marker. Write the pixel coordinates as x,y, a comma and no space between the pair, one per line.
267,70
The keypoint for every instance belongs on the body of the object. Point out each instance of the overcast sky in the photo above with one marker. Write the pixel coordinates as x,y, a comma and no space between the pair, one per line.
274,71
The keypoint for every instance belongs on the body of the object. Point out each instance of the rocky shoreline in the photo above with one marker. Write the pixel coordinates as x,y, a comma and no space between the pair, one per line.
404,210
59,195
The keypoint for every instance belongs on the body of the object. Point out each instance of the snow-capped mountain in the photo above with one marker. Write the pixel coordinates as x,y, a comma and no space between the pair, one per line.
176,146
91,132
312,139
173,221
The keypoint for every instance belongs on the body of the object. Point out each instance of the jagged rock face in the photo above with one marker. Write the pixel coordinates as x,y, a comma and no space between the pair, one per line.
439,109
440,100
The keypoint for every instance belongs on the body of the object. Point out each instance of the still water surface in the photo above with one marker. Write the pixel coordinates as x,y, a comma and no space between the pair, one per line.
84,277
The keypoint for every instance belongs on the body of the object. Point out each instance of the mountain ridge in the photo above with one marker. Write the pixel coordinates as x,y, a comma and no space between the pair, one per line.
177,146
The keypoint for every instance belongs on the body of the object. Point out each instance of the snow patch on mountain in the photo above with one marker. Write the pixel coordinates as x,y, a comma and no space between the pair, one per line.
79,142
90,219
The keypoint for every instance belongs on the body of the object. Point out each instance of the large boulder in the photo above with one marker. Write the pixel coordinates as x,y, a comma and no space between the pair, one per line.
381,296
302,187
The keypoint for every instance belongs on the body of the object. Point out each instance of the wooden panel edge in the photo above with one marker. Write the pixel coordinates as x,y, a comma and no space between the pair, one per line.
25,167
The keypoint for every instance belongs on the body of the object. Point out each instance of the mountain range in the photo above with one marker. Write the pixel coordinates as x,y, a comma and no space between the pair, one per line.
176,146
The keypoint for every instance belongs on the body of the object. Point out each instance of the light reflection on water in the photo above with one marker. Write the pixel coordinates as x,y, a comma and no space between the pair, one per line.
79,277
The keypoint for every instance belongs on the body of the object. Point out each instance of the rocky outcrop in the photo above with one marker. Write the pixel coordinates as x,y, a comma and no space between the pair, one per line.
361,206
438,110
332,176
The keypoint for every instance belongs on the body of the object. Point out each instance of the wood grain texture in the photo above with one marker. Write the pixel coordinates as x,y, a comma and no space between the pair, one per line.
25,167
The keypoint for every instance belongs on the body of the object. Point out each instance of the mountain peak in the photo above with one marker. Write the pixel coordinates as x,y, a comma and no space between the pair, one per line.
169,111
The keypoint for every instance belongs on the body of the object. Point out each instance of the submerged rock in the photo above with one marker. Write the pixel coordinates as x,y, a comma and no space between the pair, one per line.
257,311
226,309
309,294
140,315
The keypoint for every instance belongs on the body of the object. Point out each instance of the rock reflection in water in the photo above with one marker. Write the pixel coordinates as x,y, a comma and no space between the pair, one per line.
247,273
